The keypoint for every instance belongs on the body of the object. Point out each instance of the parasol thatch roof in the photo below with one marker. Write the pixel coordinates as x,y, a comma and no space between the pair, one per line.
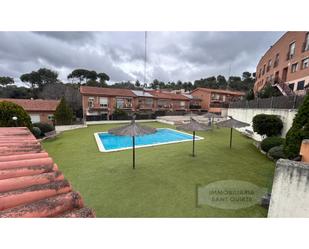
232,123
193,125
132,129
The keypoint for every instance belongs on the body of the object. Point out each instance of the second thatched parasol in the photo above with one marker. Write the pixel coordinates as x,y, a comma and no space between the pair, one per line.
232,123
133,129
193,126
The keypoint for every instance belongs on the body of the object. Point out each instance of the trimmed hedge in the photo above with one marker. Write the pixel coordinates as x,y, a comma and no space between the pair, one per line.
271,142
36,132
277,152
269,125
8,110
44,127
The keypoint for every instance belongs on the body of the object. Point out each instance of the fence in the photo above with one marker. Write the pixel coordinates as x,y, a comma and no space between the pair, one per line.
280,102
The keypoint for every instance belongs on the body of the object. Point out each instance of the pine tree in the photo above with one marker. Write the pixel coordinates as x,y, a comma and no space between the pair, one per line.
298,131
64,113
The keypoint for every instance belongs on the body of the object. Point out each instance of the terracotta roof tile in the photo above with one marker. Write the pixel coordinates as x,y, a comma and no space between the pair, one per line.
35,104
220,91
167,95
89,90
30,183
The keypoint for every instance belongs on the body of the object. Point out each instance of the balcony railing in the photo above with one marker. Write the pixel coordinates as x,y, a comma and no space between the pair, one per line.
144,106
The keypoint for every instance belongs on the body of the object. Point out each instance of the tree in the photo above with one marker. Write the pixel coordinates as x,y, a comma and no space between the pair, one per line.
8,110
298,131
250,95
221,81
269,91
37,79
103,78
269,125
137,83
80,74
5,81
63,113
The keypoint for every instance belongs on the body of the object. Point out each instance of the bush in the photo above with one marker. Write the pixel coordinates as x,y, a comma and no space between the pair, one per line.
271,142
298,131
36,132
64,113
269,125
8,110
119,114
44,127
277,152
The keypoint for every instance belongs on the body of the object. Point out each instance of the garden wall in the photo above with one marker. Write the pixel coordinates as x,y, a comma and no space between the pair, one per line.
290,195
247,114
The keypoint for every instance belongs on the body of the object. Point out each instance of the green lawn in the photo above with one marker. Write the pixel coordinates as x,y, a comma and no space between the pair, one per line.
164,181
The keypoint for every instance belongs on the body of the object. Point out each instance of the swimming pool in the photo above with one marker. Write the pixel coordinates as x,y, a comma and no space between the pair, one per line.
108,142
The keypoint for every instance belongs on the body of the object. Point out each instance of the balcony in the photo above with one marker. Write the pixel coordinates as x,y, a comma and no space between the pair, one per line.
144,107
125,106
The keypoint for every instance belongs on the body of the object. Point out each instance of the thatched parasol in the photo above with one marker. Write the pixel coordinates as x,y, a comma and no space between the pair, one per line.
211,116
232,123
133,129
193,126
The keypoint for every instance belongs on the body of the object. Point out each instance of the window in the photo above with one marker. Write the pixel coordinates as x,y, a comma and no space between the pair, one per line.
294,67
291,50
305,63
269,65
264,67
306,44
291,86
119,103
300,85
91,102
103,102
148,101
182,104
260,73
276,63
50,117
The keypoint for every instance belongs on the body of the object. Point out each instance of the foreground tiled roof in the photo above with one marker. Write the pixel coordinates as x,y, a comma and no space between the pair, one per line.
219,91
35,104
30,183
90,90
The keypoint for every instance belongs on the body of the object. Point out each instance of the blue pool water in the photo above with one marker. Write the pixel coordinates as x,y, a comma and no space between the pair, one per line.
110,142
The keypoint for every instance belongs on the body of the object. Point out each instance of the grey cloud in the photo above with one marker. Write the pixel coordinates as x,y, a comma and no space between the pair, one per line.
171,56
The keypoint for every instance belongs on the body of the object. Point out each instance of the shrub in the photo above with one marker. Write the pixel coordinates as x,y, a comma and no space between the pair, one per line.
277,152
44,127
64,113
269,125
271,142
298,131
8,110
36,132
119,114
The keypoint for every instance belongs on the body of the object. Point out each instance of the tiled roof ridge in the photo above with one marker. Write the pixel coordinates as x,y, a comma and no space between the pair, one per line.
30,183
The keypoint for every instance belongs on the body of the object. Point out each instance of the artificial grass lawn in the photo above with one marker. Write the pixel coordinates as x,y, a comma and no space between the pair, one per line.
164,181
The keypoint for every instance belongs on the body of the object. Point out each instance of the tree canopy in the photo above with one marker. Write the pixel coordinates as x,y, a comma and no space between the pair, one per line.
5,81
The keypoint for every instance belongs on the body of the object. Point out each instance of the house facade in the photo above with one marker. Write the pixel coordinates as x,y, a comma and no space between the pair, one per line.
285,65
213,100
100,103
39,110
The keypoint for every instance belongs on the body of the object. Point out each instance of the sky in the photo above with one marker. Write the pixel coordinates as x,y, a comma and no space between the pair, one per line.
171,56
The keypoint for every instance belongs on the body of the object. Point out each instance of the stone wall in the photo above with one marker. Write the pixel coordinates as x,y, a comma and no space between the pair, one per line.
290,191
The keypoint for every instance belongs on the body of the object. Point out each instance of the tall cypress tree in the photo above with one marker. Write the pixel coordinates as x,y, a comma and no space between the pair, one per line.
298,131
64,113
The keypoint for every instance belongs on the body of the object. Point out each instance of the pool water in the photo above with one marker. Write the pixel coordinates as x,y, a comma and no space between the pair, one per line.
109,142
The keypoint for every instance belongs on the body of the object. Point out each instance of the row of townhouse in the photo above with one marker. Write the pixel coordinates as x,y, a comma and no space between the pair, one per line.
100,103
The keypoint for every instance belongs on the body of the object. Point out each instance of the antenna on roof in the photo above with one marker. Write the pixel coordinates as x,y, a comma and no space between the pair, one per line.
145,61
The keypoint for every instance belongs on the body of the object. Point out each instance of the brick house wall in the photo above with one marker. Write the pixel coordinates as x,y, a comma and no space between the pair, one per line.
269,68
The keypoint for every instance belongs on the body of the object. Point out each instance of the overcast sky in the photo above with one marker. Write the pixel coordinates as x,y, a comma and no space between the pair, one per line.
172,56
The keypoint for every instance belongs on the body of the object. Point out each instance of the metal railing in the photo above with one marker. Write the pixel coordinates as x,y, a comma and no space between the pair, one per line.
280,102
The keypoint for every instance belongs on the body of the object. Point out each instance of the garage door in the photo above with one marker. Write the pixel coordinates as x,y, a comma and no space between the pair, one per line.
35,118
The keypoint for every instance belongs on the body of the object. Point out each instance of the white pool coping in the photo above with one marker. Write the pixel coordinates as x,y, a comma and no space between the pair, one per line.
102,148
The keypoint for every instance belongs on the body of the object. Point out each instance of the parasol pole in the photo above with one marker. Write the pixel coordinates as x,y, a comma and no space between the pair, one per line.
231,136
193,143
133,140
